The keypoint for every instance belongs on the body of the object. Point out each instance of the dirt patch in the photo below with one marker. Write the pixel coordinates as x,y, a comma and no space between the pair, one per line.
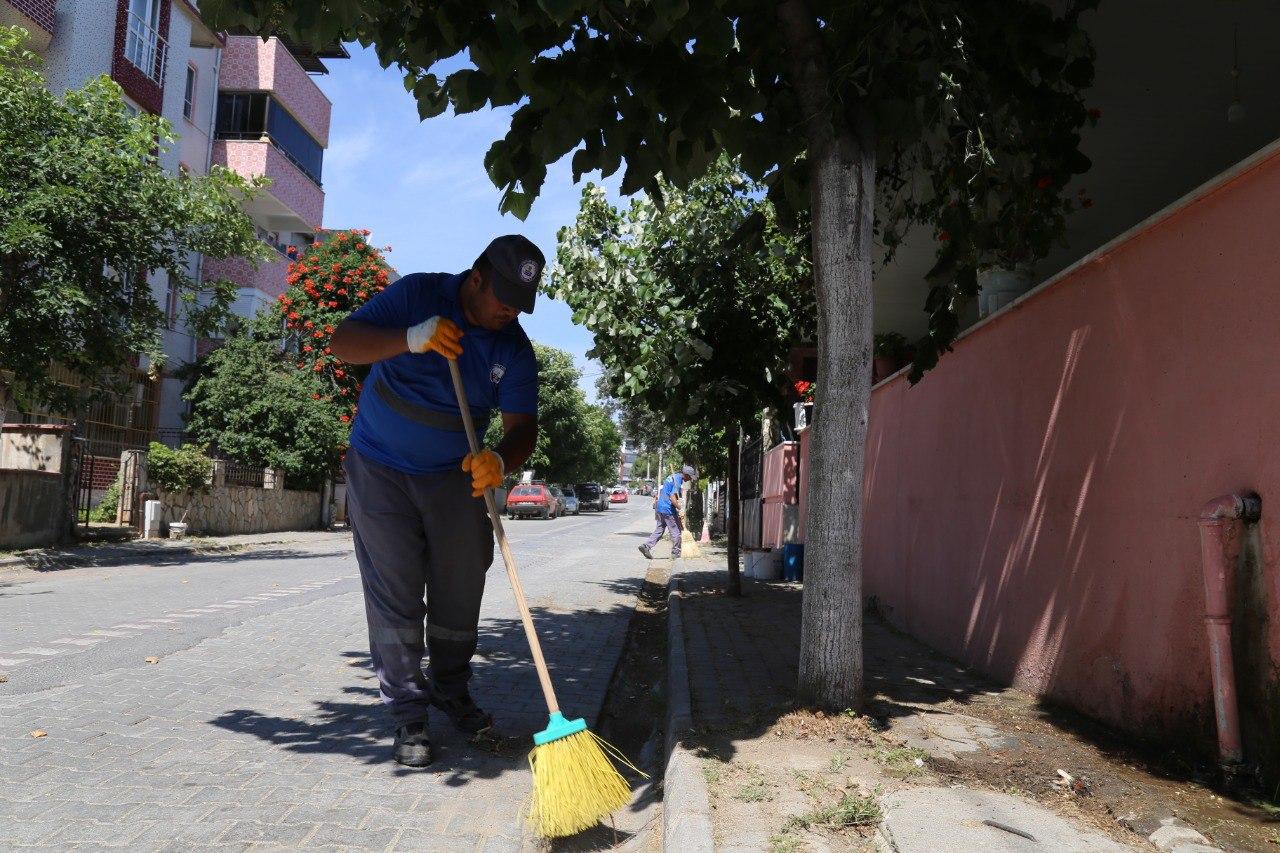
808,781
1108,780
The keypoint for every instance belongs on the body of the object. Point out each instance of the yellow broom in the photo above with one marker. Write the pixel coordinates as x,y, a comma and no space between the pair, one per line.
575,783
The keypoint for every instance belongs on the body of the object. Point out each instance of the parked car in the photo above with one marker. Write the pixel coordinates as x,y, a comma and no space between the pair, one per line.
558,494
532,499
591,496
618,495
571,505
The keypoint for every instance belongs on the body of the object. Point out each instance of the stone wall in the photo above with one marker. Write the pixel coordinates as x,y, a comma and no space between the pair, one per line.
227,510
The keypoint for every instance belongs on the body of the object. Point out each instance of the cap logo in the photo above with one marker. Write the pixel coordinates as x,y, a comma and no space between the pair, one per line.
528,271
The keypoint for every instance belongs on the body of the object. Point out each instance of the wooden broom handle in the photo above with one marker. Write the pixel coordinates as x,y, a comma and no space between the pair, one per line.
548,692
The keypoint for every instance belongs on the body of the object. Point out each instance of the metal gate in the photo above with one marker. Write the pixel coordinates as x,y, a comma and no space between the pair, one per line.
131,476
82,461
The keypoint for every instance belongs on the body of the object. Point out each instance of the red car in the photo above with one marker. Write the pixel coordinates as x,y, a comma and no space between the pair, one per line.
533,499
618,495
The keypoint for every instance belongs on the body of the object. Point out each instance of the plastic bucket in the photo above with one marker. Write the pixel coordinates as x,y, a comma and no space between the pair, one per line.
767,565
793,562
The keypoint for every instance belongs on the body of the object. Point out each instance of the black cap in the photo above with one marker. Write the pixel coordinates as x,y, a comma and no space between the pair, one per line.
517,269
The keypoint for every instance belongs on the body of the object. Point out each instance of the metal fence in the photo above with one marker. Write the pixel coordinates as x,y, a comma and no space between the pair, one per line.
750,471
239,474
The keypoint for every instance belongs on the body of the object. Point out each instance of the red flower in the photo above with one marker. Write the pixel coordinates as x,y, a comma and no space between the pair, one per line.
333,304
308,325
342,391
327,350
802,386
362,294
1044,182
335,267
329,329
290,251
339,373
318,367
315,396
346,419
328,287
294,315
306,347
944,236
342,291
342,235
317,334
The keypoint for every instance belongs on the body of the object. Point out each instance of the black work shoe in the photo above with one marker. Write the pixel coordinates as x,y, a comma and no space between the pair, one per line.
413,748
648,553
465,713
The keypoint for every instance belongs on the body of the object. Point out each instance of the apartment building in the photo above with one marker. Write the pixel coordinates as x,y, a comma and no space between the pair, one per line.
235,101
165,59
272,120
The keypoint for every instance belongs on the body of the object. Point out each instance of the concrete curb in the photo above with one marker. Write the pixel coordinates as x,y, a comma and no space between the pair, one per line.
138,551
686,808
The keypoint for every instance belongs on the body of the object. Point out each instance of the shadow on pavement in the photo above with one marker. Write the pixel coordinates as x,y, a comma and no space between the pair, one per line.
582,647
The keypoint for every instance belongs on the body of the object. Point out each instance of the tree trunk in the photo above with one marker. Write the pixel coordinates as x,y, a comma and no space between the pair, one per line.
731,519
841,156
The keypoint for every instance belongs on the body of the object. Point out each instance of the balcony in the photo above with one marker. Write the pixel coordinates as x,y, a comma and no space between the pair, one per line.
34,16
146,49
293,202
268,278
250,64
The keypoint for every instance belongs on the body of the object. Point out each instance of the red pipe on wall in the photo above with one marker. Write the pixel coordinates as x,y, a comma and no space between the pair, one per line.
1219,519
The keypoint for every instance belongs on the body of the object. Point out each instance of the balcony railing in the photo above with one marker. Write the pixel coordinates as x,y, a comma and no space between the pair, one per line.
146,49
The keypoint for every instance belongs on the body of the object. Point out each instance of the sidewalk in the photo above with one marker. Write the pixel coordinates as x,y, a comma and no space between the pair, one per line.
156,550
940,760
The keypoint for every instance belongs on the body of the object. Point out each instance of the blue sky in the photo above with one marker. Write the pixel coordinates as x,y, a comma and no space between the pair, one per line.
421,187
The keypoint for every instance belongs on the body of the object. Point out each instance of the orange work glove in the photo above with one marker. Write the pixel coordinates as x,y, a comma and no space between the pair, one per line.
486,470
439,334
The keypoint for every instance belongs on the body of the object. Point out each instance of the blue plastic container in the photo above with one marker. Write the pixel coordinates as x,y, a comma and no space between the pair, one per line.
793,562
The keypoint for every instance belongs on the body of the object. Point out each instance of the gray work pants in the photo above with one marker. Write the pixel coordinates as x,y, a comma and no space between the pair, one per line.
667,522
417,533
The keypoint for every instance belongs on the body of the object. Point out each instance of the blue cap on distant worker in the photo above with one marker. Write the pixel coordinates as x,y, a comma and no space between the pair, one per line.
517,268
690,472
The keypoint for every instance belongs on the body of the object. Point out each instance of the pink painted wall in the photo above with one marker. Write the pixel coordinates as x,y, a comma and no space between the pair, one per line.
1031,505
268,277
288,184
778,489
250,64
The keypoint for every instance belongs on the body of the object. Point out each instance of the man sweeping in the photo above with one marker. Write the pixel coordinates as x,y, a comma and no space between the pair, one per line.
414,492
668,507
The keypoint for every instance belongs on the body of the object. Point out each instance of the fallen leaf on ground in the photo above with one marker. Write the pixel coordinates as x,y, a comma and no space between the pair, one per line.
3,679
39,733
152,660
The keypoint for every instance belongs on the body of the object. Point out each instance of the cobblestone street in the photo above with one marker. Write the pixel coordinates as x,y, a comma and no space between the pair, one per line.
228,702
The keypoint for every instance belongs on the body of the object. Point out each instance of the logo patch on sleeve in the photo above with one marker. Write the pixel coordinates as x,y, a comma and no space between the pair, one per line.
496,373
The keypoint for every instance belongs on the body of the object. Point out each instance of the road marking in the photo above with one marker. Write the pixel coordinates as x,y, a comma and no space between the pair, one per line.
188,615
225,606
242,601
38,650
12,661
98,632
203,611
79,641
274,594
161,621
136,627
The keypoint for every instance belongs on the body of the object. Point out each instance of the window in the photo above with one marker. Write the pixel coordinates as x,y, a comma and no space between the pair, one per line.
143,45
252,115
189,94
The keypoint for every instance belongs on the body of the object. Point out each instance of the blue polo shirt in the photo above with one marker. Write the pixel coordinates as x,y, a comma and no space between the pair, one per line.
670,486
498,371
